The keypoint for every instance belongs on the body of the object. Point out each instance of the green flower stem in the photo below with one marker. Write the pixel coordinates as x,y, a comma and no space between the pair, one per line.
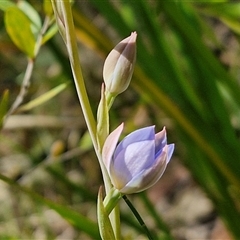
115,218
111,200
80,86
111,204
77,72
70,40
137,215
110,99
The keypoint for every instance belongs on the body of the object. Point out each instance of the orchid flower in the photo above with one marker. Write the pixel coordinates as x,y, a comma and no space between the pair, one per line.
138,161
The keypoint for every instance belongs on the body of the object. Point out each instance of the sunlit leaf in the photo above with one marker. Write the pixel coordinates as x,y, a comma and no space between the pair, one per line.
6,4
47,7
50,33
18,27
228,13
32,14
43,98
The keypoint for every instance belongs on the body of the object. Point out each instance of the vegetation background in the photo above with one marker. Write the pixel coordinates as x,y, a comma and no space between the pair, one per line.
186,78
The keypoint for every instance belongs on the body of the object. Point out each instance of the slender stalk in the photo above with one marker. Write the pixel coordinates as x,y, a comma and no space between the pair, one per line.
115,218
80,86
44,28
24,88
77,72
71,44
110,99
138,217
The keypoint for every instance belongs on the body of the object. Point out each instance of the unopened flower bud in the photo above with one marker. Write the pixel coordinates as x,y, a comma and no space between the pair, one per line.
119,65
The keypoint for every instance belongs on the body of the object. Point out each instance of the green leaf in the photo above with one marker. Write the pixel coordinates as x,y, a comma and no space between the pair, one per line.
105,227
3,106
18,27
50,33
6,4
228,13
32,14
43,98
47,7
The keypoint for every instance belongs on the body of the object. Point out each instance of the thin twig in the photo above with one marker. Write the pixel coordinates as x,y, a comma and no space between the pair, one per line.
24,88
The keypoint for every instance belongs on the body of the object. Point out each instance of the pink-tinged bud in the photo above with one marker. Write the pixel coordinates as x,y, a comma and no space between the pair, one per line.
119,65
138,161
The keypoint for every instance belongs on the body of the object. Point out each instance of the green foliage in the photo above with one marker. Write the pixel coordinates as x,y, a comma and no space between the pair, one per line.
6,4
18,27
33,16
43,98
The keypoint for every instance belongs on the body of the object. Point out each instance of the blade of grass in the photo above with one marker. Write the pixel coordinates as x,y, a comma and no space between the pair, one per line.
43,98
176,18
214,185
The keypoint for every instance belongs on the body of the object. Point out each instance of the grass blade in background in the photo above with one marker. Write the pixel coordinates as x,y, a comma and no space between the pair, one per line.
3,106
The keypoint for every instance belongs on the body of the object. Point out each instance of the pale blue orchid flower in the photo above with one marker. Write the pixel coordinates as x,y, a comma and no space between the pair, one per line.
138,161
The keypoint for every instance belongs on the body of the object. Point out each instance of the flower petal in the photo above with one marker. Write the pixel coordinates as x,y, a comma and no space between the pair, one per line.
110,145
132,160
147,177
170,149
160,140
143,134
139,160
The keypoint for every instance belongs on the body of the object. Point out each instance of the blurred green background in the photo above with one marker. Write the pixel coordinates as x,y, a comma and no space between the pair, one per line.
186,78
